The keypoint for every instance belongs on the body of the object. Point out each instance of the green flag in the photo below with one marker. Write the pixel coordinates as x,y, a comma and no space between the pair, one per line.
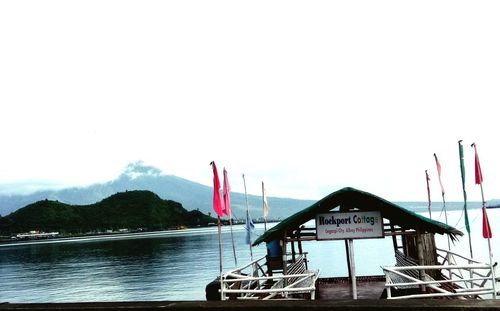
462,170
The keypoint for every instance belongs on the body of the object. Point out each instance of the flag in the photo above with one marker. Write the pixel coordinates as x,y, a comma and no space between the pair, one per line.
486,225
438,165
226,199
479,181
428,192
249,226
217,201
477,166
462,171
265,205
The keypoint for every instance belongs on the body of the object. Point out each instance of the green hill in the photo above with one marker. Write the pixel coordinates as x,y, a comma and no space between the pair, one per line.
124,210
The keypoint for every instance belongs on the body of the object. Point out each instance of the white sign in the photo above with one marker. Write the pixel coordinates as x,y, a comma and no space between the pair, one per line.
352,225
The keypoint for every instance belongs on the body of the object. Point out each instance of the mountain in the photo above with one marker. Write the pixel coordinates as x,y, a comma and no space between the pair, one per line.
131,210
137,176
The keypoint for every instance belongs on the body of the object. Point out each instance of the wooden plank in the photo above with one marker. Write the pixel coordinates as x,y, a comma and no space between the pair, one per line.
277,305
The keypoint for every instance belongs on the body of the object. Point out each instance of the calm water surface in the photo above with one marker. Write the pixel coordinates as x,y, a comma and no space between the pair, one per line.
173,267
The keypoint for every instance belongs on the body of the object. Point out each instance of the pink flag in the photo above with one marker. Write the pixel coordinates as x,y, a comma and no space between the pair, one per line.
479,174
226,189
486,225
438,165
217,201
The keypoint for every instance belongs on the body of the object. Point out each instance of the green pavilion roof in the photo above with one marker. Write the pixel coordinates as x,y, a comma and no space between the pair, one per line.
349,198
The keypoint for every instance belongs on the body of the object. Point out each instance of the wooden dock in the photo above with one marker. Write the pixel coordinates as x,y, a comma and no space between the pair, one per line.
274,305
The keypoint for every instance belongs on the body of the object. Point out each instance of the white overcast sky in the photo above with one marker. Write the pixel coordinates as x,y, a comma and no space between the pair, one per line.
307,96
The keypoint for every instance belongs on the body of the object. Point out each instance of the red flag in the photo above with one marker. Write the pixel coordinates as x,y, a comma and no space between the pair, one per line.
226,188
486,225
217,201
438,165
479,174
479,180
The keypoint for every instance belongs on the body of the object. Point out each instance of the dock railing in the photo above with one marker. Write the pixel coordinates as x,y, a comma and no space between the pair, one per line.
253,282
459,277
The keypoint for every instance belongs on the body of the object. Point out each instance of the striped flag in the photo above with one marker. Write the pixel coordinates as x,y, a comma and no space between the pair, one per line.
217,201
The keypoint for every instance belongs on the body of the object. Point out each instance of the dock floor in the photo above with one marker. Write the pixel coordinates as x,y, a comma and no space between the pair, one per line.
341,288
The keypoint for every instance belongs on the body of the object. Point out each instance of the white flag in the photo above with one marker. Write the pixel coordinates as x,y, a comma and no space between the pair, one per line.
265,205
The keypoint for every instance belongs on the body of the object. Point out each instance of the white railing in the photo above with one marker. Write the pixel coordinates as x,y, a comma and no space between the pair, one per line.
459,277
452,258
252,281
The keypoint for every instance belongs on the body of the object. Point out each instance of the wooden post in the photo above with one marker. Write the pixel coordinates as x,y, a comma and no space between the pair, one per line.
299,240
404,242
394,240
421,259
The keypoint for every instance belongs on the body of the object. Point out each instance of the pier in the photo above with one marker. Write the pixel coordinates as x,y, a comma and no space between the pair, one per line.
272,305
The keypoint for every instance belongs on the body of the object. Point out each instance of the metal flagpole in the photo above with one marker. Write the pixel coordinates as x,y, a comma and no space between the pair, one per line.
218,210
446,220
228,210
220,257
489,248
264,206
428,194
479,180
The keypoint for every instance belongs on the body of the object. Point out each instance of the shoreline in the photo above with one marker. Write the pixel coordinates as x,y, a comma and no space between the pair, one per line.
111,236
127,235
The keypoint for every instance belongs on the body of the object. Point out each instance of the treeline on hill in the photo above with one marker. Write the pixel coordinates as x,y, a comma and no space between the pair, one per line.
123,210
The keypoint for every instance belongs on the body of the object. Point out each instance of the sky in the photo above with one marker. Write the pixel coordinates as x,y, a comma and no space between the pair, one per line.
307,96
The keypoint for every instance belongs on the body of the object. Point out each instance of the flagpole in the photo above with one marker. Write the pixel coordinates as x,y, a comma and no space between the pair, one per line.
248,214
479,179
438,166
218,211
264,206
489,246
428,194
466,216
220,250
232,240
229,211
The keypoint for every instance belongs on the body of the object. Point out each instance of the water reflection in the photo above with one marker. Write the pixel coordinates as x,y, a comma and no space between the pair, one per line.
174,267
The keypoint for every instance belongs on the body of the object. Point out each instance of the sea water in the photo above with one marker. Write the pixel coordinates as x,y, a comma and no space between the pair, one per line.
177,265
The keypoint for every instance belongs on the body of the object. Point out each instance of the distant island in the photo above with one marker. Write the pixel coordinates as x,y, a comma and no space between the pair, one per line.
129,211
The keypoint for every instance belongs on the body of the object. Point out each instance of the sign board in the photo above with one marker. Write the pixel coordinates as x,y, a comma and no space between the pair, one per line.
351,225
